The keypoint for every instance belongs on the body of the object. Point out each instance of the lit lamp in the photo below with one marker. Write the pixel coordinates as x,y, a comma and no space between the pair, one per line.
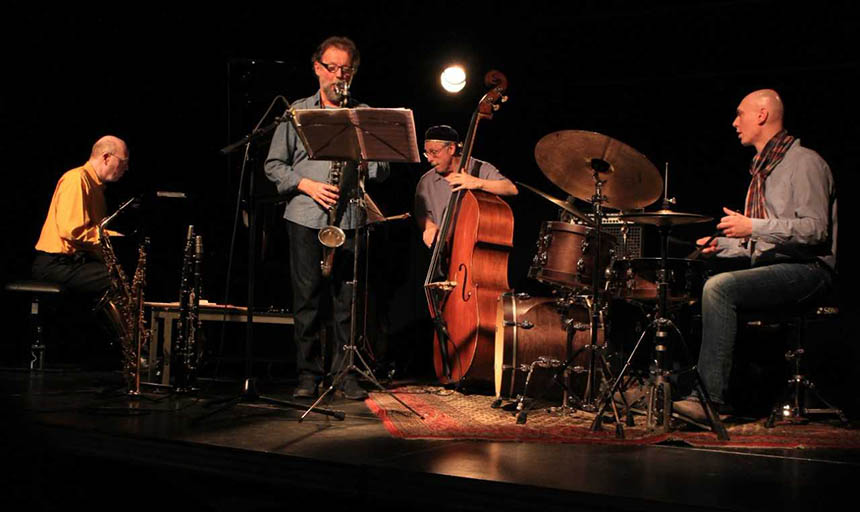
453,79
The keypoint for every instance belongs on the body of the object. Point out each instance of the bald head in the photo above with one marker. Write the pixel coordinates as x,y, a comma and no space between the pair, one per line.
759,118
109,158
768,100
108,144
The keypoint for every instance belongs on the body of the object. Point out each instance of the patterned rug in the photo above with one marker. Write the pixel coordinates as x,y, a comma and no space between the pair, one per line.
452,415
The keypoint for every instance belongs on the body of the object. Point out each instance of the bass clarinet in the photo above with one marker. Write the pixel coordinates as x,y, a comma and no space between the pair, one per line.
331,236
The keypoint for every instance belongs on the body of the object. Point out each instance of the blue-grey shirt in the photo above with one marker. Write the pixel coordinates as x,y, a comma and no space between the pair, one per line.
800,201
434,191
288,162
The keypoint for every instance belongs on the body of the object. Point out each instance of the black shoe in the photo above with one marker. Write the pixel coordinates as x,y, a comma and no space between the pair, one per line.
352,390
307,387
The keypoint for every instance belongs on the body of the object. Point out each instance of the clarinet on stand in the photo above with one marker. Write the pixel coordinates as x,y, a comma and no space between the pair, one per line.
189,314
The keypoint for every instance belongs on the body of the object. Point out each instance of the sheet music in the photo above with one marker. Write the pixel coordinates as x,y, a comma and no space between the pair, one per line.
374,134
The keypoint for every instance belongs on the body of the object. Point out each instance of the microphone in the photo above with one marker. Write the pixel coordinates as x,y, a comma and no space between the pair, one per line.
341,88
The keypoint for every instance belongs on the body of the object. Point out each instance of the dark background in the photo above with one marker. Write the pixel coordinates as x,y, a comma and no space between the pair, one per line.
178,84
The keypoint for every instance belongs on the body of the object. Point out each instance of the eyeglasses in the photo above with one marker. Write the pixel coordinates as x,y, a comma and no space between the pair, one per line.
434,152
122,160
332,68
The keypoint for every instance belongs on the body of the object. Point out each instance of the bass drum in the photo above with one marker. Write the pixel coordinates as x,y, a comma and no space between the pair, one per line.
530,327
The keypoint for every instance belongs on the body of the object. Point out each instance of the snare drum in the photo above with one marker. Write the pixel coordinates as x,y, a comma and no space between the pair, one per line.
636,279
565,254
530,327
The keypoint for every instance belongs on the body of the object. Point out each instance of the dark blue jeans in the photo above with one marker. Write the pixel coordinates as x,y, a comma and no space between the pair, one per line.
309,291
765,287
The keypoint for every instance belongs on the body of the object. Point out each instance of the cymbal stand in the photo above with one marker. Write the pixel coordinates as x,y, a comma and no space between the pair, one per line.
589,401
659,388
352,351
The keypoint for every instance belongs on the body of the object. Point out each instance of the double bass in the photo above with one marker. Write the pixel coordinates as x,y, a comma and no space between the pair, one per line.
469,266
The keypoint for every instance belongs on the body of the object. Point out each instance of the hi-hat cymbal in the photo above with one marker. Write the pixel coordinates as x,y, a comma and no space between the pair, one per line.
665,218
569,158
561,204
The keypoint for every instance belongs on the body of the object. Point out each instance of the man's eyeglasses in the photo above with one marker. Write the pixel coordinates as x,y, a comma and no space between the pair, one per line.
122,160
434,152
332,68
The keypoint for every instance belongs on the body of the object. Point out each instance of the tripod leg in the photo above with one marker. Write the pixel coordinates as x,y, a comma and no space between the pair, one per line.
596,424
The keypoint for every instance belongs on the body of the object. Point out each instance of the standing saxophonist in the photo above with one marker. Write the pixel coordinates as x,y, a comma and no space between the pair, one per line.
68,251
310,196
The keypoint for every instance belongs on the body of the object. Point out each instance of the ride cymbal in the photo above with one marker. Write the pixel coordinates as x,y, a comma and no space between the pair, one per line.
569,158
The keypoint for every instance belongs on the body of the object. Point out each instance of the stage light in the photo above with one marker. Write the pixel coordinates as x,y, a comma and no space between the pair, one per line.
453,79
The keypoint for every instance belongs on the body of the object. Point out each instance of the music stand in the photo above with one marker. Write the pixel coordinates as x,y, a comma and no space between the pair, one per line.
359,135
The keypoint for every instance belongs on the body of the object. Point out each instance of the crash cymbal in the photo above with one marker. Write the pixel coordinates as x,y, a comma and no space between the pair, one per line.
568,158
561,204
665,218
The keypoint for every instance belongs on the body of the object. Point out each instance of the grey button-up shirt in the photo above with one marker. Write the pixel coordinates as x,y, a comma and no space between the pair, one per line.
288,162
800,200
434,191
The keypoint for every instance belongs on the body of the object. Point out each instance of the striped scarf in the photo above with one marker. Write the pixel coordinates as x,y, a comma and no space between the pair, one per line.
761,166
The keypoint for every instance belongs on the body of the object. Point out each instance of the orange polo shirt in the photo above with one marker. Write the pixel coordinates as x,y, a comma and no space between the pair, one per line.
76,209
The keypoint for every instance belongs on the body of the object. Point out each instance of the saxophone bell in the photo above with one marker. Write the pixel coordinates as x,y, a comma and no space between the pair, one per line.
331,237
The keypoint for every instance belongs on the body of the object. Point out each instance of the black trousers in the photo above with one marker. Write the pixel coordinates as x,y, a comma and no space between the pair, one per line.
81,273
310,289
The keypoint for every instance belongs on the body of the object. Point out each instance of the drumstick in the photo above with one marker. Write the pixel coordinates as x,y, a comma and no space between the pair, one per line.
695,254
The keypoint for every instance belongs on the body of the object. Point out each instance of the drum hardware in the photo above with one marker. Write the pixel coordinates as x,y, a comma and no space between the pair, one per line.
587,165
607,173
659,393
542,362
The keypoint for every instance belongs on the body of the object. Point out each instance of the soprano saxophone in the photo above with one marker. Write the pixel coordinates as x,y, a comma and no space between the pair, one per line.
331,236
123,304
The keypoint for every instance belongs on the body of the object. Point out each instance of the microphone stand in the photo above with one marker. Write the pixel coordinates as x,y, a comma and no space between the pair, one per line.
249,393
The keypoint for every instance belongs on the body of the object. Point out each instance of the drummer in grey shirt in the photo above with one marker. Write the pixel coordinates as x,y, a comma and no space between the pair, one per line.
787,234
435,187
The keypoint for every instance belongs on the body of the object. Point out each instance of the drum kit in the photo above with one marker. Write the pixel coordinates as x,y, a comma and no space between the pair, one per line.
542,341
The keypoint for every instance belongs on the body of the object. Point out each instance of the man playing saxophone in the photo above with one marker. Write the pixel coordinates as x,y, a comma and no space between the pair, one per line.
314,201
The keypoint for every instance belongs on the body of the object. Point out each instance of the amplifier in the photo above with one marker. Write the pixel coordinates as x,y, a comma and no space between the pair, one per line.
612,224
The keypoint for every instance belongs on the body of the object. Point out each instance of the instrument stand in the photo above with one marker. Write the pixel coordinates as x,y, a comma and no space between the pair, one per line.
351,348
659,387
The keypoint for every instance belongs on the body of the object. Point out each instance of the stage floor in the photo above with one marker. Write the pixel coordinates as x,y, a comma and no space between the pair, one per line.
72,440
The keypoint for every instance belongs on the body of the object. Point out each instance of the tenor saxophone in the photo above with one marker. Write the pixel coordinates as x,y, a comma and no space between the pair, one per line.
331,236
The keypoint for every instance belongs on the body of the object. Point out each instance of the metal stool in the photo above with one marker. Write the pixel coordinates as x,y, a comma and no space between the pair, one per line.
793,406
38,290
